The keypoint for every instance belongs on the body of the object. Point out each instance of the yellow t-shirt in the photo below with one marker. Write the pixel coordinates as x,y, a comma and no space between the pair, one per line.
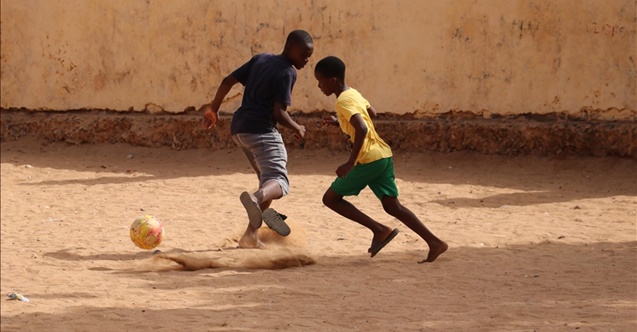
349,103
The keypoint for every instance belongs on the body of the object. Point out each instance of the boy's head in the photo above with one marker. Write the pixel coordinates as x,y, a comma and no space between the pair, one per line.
330,73
299,47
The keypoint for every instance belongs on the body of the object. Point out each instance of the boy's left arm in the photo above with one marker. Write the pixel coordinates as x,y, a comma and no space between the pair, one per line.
361,131
282,117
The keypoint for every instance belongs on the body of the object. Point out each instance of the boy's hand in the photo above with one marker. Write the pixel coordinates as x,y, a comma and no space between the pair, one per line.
299,132
342,170
330,120
210,116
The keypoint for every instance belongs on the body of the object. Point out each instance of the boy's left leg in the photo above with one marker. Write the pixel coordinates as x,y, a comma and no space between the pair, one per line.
249,239
392,206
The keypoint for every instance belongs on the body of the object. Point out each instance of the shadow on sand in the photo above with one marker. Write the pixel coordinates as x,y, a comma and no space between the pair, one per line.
543,286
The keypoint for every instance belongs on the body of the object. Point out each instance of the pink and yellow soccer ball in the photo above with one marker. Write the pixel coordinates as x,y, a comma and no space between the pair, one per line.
146,232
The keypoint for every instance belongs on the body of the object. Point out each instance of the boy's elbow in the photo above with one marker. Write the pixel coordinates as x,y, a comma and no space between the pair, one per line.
372,112
277,116
229,80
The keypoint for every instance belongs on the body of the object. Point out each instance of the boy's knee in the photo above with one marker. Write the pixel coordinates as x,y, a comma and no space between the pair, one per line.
391,210
391,205
326,200
329,198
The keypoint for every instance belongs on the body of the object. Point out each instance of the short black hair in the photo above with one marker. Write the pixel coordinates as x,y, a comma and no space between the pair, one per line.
299,37
331,66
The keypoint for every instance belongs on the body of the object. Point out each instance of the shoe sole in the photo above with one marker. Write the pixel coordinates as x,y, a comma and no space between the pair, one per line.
275,222
253,210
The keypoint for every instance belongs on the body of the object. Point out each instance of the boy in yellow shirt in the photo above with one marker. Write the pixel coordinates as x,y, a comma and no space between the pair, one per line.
370,163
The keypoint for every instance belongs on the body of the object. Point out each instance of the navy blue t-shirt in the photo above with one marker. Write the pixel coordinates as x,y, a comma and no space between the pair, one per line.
267,78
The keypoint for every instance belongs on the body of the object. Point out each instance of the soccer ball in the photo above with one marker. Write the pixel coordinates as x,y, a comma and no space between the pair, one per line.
146,232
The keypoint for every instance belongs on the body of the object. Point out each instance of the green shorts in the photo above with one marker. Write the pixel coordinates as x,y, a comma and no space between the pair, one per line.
378,175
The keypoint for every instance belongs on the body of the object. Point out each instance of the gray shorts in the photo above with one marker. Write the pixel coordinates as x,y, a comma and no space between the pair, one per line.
268,157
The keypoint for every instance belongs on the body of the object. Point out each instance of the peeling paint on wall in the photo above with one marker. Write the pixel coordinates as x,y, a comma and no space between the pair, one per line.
418,57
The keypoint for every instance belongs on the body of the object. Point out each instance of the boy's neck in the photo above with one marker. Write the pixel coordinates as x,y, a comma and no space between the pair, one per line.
341,87
285,56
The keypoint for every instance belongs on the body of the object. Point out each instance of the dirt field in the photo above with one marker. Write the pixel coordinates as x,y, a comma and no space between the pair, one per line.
536,244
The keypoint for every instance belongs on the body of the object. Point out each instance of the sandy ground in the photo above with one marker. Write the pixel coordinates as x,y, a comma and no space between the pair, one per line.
536,244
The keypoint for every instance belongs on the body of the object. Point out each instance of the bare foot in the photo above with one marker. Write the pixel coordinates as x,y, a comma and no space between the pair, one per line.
249,240
435,251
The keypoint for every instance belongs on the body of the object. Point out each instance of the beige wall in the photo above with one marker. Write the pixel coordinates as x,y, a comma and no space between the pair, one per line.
429,56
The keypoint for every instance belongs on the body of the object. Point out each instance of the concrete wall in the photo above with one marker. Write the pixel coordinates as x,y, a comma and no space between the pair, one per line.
406,56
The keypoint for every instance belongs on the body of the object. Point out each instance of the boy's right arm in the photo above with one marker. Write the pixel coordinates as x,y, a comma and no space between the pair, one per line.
371,111
360,129
211,110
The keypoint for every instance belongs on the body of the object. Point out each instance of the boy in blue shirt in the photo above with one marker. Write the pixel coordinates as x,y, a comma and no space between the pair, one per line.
268,81
370,163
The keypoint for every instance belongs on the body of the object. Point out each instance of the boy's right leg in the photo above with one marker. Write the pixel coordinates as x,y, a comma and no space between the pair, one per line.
249,239
335,201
